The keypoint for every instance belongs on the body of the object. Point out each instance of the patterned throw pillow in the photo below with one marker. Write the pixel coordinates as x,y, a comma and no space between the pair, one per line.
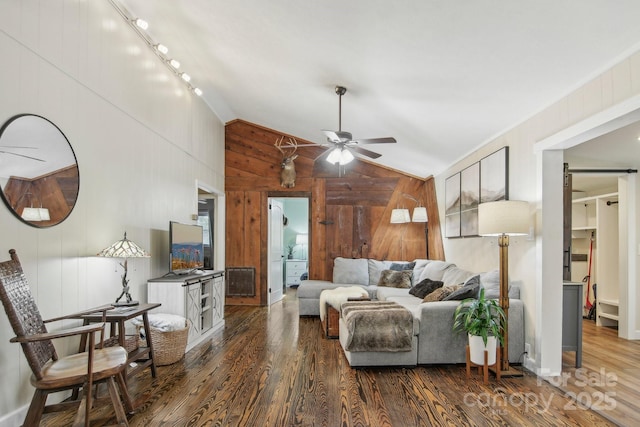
395,279
425,287
440,293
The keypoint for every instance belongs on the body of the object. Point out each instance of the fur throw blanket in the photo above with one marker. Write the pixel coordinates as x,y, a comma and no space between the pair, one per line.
377,326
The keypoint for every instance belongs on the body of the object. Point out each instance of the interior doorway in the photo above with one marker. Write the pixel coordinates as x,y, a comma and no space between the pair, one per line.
295,249
210,216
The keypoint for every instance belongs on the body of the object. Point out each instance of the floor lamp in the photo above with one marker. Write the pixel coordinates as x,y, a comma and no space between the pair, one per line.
503,219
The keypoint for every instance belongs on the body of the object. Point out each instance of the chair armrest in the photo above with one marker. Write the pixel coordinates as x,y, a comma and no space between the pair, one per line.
93,327
78,315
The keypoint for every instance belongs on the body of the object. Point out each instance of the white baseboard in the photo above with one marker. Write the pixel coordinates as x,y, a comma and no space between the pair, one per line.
15,418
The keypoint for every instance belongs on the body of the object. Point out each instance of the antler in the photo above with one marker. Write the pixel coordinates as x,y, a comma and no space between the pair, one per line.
291,143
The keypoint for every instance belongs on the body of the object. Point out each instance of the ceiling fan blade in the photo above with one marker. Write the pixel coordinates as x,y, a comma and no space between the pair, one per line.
21,155
387,140
313,145
18,146
363,151
337,136
323,156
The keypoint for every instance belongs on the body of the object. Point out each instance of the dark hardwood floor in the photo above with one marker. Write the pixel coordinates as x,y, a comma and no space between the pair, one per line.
268,367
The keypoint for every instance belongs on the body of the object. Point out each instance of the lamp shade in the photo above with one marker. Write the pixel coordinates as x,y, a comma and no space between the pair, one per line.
44,214
419,214
399,216
334,156
340,155
509,217
31,214
302,239
124,248
345,157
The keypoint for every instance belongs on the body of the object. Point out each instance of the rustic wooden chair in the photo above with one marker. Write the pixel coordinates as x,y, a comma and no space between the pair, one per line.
52,373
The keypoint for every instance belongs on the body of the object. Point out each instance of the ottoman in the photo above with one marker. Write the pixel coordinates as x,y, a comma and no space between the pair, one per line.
330,302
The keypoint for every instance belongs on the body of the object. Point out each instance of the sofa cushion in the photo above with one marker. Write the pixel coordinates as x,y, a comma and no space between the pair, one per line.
434,270
375,268
418,269
350,271
468,290
455,276
441,293
384,293
425,287
395,279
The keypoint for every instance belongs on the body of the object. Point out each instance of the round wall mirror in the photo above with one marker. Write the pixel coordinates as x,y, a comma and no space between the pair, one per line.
38,171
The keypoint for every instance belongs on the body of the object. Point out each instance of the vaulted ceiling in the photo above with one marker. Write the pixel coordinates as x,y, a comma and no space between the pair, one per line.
442,77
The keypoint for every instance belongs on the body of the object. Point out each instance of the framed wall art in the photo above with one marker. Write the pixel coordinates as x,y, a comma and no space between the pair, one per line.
483,181
469,200
452,206
494,176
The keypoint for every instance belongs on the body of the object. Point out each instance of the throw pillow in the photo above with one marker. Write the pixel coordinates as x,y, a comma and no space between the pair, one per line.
375,269
395,279
468,290
455,275
425,287
439,294
402,266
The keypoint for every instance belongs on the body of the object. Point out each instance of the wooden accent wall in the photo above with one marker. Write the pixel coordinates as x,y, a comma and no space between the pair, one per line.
349,215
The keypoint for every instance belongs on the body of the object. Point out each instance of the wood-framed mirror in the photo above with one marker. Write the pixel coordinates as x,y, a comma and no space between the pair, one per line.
38,171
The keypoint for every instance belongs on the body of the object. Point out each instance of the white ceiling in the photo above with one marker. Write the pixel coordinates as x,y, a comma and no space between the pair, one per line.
442,77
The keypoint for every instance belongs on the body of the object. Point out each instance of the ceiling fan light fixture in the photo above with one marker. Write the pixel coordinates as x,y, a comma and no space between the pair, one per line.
345,157
340,155
334,156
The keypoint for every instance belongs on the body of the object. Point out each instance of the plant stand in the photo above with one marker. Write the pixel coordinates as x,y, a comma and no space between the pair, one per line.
484,369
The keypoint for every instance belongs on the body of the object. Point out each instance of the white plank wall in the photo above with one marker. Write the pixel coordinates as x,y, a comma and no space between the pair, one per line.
142,141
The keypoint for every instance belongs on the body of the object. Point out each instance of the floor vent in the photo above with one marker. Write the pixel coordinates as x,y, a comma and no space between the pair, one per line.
241,281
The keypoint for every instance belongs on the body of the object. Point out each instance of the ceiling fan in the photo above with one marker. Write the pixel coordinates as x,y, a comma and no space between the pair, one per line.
18,154
342,142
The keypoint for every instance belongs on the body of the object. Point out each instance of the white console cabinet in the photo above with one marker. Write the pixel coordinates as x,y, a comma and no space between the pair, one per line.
197,297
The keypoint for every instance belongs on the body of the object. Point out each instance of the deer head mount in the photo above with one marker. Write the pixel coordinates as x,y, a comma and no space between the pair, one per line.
288,173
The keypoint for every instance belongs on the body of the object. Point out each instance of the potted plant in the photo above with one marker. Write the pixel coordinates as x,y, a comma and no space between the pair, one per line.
482,319
290,251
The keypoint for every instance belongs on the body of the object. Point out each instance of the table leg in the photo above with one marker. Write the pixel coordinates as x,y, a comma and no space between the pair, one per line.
147,336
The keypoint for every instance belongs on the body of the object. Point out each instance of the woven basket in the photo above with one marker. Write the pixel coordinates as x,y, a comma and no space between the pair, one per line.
168,347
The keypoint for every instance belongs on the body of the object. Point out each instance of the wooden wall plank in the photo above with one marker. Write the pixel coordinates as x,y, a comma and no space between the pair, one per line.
436,247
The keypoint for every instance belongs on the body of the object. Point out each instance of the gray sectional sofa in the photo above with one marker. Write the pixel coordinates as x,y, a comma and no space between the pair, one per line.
435,340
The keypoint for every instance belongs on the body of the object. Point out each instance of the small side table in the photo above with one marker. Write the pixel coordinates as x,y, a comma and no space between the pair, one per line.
117,318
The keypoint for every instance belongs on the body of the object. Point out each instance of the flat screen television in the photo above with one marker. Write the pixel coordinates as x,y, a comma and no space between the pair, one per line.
186,250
